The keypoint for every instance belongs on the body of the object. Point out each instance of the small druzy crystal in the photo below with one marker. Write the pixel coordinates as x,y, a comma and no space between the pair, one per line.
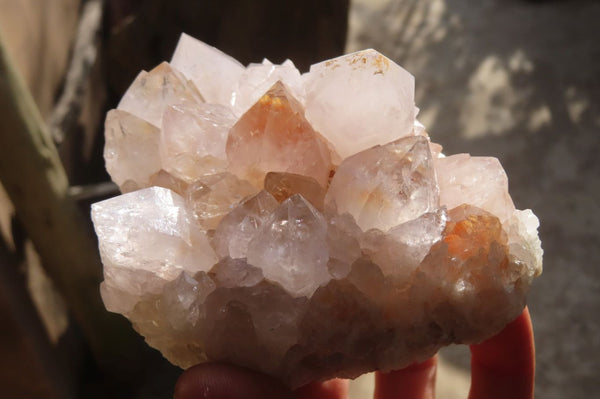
302,225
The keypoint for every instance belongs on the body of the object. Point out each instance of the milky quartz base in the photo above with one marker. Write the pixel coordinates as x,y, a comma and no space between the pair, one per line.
304,226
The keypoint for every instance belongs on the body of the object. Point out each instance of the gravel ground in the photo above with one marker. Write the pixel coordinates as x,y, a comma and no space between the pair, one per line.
519,80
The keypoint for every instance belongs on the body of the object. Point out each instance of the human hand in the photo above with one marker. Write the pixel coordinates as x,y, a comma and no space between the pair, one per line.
501,367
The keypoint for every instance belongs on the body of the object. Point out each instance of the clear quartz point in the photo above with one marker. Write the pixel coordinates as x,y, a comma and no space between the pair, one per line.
151,92
385,186
193,138
238,227
290,247
131,149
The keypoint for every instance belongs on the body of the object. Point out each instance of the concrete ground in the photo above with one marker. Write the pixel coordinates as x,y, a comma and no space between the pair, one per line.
519,80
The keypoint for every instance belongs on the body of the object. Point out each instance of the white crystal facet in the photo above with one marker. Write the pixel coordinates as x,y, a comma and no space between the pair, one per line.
212,71
360,100
131,149
523,240
478,181
148,238
257,79
399,251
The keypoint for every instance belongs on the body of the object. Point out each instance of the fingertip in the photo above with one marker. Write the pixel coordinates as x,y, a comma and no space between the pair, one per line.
218,380
504,365
336,388
416,381
510,351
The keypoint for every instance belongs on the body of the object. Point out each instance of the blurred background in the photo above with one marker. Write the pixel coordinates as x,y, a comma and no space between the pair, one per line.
515,79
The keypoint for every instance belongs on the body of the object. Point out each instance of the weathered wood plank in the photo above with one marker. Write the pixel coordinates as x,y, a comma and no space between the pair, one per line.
36,182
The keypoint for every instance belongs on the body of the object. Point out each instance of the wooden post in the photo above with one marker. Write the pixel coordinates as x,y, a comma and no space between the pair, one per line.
35,180
29,363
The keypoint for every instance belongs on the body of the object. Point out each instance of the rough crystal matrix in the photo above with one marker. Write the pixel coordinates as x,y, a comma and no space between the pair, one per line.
302,225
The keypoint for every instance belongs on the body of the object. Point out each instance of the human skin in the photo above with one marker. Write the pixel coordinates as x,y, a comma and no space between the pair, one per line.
501,367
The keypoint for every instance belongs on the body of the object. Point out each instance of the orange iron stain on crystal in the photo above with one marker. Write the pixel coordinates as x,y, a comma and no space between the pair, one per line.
467,237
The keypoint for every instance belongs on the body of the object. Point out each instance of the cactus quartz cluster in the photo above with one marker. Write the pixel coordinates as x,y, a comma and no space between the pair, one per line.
302,225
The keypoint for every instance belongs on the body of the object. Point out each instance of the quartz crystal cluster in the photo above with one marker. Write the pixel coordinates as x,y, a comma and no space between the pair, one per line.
302,225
